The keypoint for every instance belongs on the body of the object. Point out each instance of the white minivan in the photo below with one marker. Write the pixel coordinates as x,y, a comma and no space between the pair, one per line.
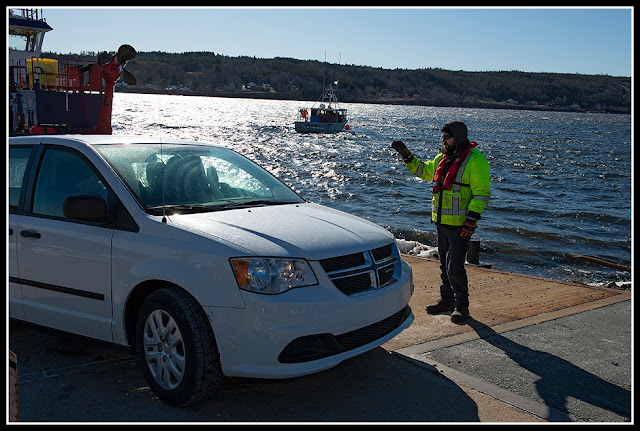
196,258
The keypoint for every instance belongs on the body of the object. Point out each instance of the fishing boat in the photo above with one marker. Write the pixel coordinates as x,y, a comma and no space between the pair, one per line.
325,116
56,95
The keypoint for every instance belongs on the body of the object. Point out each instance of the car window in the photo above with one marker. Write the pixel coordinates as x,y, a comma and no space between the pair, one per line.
18,159
61,174
209,178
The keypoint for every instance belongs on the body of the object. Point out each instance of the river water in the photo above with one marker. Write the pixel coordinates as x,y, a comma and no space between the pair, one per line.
560,182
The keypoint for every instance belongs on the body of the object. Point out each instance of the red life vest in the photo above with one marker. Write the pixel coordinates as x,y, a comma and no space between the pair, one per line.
453,169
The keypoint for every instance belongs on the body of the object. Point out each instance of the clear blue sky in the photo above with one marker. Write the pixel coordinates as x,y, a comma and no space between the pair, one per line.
566,40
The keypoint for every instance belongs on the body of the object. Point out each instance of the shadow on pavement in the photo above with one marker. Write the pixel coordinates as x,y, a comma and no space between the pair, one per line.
559,380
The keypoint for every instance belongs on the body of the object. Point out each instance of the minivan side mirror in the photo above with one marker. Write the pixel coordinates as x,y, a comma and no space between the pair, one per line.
85,207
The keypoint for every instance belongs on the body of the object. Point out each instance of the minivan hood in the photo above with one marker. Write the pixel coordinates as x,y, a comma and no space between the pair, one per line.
307,230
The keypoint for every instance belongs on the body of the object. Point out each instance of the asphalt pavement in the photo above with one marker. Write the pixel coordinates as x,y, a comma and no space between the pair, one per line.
573,364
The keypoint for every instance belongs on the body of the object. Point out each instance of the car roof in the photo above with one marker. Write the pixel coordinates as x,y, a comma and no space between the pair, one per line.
102,139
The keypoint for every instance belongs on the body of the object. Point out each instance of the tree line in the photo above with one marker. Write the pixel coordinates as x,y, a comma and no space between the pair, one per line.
208,73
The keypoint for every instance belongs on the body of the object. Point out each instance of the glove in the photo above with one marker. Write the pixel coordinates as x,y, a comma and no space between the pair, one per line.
469,226
403,150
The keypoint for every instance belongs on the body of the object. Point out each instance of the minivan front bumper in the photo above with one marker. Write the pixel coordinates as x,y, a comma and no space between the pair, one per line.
309,329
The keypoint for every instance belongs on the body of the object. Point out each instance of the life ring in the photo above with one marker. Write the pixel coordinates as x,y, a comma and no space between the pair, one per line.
303,113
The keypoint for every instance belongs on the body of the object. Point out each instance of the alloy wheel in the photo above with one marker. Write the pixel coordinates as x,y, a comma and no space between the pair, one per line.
164,349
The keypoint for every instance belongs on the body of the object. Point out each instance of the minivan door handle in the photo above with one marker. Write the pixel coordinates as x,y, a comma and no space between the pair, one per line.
29,234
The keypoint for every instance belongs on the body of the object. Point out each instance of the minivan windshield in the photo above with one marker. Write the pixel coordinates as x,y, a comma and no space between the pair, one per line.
193,178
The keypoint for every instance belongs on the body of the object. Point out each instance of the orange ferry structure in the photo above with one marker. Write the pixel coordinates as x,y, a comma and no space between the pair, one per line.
55,95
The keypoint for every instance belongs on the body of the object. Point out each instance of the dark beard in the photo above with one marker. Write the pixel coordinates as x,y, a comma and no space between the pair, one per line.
447,151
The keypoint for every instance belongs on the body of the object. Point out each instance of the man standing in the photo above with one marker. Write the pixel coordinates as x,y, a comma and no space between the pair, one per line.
460,175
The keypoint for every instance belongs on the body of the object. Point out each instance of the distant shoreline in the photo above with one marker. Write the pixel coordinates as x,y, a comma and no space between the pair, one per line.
473,104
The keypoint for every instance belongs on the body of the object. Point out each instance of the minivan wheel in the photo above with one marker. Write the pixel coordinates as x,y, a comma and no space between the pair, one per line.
176,348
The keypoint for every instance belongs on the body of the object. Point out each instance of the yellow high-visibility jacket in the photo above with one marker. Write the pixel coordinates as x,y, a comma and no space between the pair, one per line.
469,191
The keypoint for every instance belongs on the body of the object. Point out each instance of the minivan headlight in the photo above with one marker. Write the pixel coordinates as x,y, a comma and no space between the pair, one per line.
272,275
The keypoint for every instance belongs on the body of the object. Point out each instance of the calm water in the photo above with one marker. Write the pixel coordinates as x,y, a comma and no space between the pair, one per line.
560,181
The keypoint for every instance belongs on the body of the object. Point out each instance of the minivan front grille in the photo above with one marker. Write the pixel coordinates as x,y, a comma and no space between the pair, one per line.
359,273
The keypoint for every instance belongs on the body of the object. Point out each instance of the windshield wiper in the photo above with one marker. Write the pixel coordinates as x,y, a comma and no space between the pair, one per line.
256,203
181,207
209,207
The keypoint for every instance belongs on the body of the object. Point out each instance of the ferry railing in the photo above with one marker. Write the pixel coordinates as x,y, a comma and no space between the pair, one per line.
29,13
57,74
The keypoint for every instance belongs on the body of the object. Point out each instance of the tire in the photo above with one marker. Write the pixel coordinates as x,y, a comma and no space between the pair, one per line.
176,348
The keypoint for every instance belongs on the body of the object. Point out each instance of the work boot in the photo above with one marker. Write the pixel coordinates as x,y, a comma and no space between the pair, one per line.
440,307
460,315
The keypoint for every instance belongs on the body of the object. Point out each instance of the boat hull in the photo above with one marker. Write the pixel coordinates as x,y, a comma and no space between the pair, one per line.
317,127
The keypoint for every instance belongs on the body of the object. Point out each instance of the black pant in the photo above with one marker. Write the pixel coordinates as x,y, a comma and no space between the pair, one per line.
452,250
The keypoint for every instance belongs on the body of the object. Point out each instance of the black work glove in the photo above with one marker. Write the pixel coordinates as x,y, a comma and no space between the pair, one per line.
467,228
469,225
401,148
